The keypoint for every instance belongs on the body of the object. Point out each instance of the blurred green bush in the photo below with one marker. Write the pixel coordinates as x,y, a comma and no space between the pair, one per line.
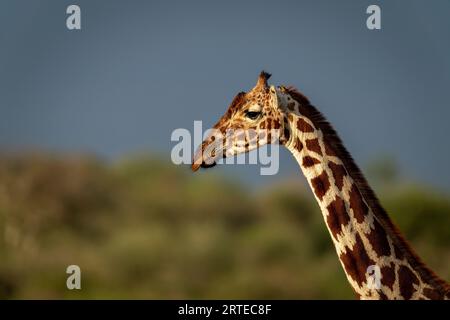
143,228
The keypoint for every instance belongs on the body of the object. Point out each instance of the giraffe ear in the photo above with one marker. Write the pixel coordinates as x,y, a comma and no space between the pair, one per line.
262,79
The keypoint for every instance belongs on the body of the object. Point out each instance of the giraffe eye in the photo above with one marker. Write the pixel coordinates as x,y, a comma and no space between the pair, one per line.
252,114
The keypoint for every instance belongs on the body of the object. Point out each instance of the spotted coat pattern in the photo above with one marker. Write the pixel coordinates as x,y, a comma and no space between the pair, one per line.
362,235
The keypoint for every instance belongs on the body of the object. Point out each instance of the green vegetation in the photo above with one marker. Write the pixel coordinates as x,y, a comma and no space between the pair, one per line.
143,228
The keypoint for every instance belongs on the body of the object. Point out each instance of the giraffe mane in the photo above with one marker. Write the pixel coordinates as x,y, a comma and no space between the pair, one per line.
366,191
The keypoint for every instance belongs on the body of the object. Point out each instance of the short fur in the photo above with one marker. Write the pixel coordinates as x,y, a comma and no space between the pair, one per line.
366,191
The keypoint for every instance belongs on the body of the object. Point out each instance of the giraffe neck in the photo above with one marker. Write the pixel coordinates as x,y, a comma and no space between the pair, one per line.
377,261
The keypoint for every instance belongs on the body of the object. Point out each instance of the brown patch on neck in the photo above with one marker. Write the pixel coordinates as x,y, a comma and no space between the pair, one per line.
432,294
337,216
298,145
338,174
407,279
388,276
379,240
309,161
286,131
398,254
314,146
304,126
360,209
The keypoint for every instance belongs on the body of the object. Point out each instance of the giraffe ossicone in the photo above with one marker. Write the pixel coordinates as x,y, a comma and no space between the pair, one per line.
367,242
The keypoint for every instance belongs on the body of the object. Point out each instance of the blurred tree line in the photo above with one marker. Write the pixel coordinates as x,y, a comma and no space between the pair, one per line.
143,228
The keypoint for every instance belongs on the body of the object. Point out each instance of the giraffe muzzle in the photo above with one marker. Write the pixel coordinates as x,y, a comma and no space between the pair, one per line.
200,160
204,165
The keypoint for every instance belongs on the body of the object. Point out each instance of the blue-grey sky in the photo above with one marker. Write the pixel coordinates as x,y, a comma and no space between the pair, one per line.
139,69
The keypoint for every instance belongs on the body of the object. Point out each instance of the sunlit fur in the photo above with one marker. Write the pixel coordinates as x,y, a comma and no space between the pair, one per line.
360,228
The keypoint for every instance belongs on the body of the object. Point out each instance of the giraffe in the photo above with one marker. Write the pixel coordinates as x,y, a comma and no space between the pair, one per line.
362,233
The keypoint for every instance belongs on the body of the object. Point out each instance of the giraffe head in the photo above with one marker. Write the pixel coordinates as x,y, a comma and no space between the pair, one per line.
253,119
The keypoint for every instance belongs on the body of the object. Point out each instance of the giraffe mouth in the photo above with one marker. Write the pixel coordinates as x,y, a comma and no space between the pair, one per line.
204,165
199,161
